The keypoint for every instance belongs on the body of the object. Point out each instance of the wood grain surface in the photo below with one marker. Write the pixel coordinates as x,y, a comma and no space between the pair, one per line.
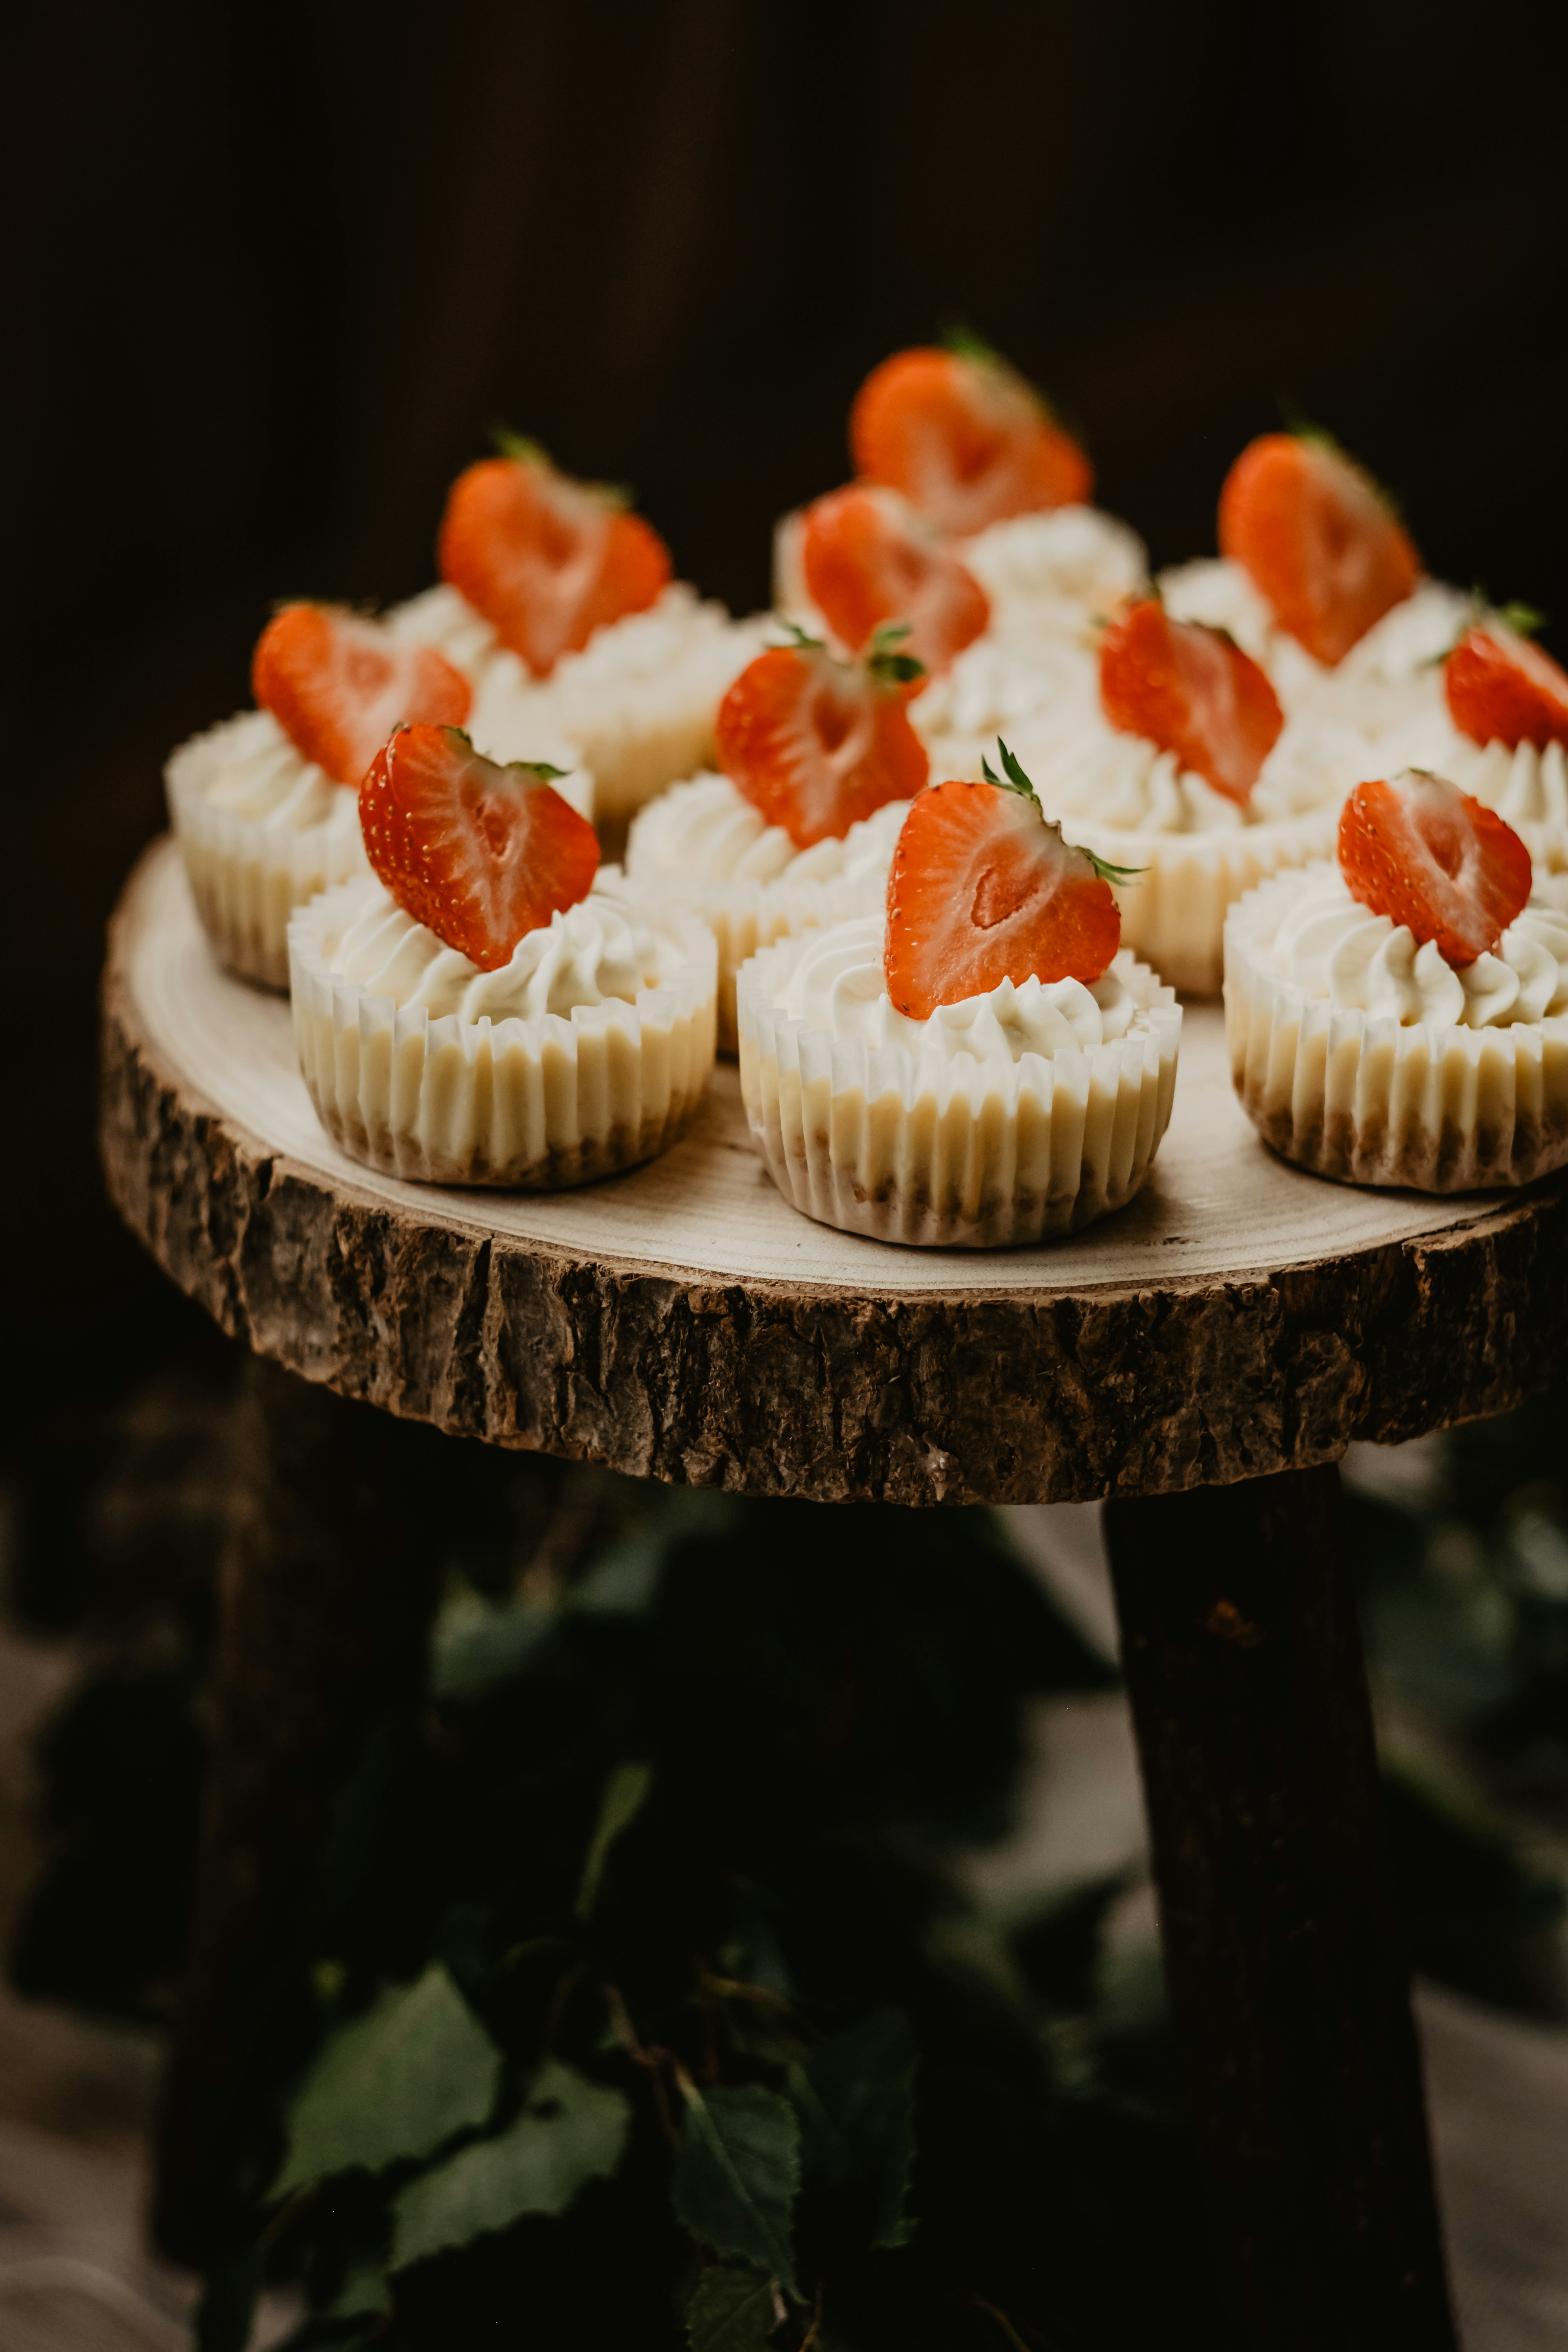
683,1322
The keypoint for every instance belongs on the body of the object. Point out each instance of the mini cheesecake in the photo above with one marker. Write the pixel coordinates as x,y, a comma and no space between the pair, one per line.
1392,1024
979,1066
488,1006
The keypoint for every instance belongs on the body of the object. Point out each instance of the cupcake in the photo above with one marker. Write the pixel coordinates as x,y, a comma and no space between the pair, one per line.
487,1006
264,806
1400,1015
562,603
1173,760
983,1065
1496,721
821,764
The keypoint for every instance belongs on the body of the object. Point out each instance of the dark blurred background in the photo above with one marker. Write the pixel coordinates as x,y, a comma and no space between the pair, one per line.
272,273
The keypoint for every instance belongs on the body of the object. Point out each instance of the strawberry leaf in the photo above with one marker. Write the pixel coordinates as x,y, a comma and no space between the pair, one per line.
965,344
626,1794
1103,867
1012,778
886,662
855,2097
798,640
518,445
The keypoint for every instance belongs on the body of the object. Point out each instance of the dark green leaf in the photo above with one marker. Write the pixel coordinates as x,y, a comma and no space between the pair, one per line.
730,2311
364,2294
519,446
570,2131
1012,778
736,2172
856,2100
625,1794
394,2083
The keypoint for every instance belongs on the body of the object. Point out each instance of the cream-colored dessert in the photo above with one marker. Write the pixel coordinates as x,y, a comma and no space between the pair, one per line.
1387,678
263,829
638,702
1361,1055
1527,784
704,847
1198,850
586,1052
1008,1117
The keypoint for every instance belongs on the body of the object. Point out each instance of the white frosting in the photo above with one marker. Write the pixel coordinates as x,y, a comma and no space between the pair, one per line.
1387,677
706,831
1082,766
602,947
1065,569
1526,783
837,986
997,687
259,774
639,701
1334,947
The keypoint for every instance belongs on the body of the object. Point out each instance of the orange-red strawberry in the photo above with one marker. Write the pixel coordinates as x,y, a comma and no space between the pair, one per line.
1503,689
477,853
1192,691
869,558
964,438
338,685
1425,854
982,889
1317,537
545,559
816,744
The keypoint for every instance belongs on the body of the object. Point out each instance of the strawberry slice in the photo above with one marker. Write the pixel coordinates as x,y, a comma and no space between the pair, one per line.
477,853
982,889
868,558
1193,691
816,744
338,685
1317,537
1502,689
1425,854
545,559
964,438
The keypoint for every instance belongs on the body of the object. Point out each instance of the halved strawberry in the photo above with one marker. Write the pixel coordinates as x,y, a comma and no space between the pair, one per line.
964,438
545,559
982,890
477,853
1503,689
815,743
1193,691
1425,854
338,685
868,558
1317,538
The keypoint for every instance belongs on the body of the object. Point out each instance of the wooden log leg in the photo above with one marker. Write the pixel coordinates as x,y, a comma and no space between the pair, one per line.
1244,1665
325,1591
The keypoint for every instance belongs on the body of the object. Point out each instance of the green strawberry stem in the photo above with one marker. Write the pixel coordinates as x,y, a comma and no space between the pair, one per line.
1013,779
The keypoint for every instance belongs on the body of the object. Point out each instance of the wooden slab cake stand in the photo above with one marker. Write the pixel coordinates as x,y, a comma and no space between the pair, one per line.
1202,1359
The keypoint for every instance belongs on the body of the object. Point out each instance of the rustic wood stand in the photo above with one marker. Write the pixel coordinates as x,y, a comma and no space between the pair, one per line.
1203,1359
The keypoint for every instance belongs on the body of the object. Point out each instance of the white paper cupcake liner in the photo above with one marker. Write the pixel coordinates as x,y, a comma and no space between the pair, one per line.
1173,915
743,914
247,874
1370,1101
953,1154
530,1104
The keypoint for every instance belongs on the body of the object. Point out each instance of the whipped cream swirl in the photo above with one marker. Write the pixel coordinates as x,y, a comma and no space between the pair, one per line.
837,985
604,947
1083,767
706,831
1334,946
1071,562
256,771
